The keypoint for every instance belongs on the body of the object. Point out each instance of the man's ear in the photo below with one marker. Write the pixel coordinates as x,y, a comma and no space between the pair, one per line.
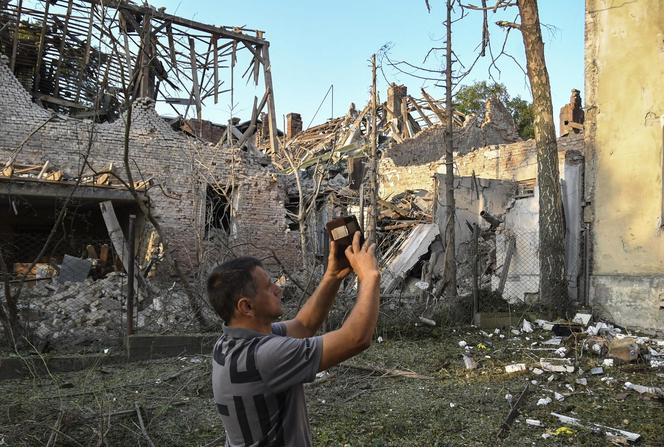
244,307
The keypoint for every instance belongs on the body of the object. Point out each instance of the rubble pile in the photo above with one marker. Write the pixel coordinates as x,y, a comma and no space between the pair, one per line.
562,359
78,313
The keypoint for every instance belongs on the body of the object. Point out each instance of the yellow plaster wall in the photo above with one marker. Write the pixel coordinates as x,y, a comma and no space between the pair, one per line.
628,69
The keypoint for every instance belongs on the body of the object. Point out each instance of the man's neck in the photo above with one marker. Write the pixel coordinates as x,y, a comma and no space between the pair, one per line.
262,327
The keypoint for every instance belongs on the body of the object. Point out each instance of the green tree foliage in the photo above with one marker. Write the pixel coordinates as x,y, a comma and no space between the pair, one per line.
472,99
522,112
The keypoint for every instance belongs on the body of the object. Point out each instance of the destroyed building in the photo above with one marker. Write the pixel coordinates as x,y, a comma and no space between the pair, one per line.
63,137
244,187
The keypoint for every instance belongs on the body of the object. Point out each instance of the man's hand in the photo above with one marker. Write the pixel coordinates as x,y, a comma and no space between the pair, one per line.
363,259
334,270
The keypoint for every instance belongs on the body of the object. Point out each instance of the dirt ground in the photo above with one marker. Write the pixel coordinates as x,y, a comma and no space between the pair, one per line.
374,400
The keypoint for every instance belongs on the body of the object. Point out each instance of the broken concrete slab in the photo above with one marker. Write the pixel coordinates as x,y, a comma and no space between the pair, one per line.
581,318
556,365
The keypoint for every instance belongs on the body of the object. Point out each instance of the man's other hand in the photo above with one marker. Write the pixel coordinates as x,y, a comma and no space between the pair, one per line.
334,269
362,258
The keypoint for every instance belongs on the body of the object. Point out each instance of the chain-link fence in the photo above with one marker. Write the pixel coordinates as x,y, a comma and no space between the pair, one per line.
70,256
503,264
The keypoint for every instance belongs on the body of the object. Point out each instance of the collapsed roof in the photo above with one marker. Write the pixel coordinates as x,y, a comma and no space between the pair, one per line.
89,58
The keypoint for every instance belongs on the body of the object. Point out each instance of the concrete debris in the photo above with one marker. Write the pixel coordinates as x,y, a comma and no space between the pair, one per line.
537,371
559,397
607,362
526,326
557,365
469,362
582,381
546,325
597,371
534,423
581,318
462,344
561,352
596,345
555,341
90,311
515,367
655,391
544,402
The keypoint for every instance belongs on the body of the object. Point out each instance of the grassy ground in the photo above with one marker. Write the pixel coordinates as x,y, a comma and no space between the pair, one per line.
357,405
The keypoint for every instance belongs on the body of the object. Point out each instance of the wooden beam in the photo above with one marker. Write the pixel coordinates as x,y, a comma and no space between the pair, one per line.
419,110
255,52
12,62
118,240
171,45
59,101
242,140
40,49
215,87
272,117
62,47
506,264
194,76
434,108
86,54
220,31
145,56
256,68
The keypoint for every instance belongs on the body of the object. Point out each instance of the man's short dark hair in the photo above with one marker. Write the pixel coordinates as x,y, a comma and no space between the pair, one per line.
229,282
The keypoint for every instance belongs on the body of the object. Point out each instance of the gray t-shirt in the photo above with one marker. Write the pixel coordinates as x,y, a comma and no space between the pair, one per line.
257,384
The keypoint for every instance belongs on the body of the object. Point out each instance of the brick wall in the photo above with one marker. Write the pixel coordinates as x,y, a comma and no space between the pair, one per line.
411,165
180,166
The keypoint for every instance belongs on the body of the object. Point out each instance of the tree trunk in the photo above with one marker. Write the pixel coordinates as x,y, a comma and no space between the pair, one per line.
553,286
450,252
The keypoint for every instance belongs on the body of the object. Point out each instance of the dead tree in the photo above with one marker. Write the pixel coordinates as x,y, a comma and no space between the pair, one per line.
306,203
553,287
450,252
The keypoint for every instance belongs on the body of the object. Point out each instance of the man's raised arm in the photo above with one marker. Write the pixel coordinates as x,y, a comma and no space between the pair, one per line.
356,333
310,318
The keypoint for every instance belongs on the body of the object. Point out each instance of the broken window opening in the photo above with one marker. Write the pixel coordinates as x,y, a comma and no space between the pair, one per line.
525,188
218,211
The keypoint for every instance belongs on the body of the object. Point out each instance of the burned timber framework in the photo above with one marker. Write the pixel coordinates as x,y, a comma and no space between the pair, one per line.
89,57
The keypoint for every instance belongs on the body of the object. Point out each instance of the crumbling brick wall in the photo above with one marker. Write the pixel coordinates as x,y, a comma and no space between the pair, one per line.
179,165
515,161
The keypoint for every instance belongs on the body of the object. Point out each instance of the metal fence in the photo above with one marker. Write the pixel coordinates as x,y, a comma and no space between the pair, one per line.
19,251
501,264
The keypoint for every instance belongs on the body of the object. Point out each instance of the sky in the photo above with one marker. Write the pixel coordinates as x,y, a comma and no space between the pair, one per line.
314,45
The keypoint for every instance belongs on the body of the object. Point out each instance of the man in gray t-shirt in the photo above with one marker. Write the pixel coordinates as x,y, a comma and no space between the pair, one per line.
259,366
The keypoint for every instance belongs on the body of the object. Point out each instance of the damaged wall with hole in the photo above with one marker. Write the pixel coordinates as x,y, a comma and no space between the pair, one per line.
501,181
180,168
625,159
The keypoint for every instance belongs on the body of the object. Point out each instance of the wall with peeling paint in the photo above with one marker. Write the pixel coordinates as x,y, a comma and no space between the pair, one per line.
624,84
